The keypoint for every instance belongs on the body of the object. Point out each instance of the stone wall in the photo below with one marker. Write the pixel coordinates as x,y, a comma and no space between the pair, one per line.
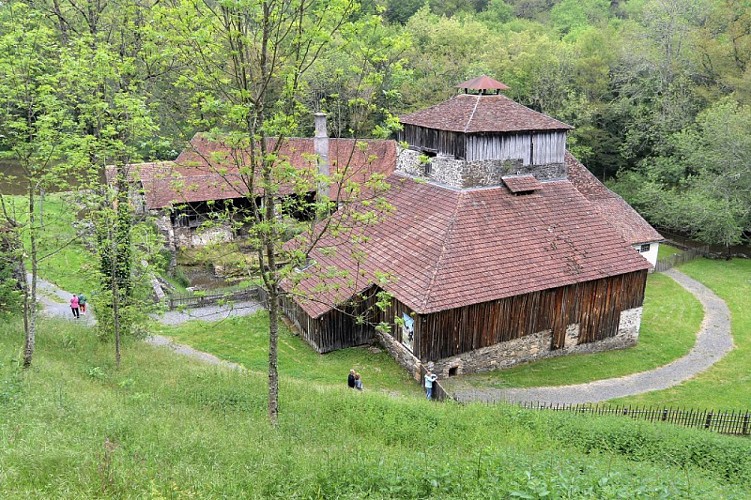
408,162
186,237
461,174
403,357
537,346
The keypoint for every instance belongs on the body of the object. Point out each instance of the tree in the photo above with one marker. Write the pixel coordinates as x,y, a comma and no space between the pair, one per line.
33,124
107,64
247,63
703,188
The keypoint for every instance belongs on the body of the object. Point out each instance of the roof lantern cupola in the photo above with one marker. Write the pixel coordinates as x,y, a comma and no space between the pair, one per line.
483,85
478,137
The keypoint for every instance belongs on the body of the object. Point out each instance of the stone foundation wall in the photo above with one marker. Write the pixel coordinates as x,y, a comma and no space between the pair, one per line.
408,162
629,323
537,346
403,357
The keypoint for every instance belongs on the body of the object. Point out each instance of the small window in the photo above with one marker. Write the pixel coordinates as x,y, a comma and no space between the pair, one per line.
644,248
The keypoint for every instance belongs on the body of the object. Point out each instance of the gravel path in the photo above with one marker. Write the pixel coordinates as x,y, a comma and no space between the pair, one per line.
55,303
713,341
210,313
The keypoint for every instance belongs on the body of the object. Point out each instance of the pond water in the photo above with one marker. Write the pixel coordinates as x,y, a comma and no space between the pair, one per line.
11,186
17,186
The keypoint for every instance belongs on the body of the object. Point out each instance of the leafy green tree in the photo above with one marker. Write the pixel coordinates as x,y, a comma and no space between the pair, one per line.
703,188
571,15
247,64
497,12
33,124
108,63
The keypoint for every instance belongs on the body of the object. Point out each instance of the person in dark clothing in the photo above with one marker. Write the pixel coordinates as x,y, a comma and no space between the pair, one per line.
351,379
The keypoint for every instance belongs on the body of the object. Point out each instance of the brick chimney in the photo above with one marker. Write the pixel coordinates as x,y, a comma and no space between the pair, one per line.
321,146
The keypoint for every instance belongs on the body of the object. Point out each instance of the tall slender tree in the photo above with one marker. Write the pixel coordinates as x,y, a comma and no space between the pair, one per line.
33,124
247,65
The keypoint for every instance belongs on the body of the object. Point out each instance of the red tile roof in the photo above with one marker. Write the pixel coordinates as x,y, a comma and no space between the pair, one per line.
521,183
448,248
483,83
627,221
208,170
482,113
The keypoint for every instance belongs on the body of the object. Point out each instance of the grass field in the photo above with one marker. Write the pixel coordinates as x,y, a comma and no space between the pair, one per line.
671,319
245,341
728,383
163,426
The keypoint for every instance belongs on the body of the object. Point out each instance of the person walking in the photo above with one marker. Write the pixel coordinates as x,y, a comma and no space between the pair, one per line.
351,379
82,303
74,306
430,377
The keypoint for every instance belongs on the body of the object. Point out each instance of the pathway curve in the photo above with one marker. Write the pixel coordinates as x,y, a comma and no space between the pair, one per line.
713,341
55,303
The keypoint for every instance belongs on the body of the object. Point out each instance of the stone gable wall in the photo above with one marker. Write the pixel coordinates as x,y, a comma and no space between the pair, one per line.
462,174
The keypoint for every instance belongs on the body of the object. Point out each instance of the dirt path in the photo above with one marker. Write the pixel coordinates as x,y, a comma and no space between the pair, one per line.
713,341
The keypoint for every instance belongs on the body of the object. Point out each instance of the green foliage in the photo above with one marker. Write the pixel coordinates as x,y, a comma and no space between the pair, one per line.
163,426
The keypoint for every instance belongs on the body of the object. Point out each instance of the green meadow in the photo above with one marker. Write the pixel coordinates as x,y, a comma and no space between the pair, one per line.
165,426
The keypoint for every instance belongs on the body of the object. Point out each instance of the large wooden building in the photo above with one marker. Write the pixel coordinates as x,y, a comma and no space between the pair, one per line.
492,255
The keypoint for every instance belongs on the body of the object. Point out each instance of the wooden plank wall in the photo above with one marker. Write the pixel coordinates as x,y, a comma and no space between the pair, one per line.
595,305
347,326
548,147
395,310
451,143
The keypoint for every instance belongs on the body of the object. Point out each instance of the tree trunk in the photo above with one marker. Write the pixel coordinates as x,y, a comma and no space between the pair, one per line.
30,297
273,287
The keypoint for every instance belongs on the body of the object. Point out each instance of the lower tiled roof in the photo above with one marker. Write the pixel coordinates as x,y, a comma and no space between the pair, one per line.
444,248
210,170
609,205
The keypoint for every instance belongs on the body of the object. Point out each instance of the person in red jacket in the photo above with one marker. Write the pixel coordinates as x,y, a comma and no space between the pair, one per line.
74,306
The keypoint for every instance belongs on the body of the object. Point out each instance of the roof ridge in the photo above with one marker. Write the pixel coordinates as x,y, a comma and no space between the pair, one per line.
472,115
446,236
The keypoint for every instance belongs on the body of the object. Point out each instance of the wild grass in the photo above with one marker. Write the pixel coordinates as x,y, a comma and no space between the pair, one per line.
670,321
162,426
63,258
728,383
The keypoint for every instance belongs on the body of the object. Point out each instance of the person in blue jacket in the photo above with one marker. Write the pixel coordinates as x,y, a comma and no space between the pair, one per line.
430,377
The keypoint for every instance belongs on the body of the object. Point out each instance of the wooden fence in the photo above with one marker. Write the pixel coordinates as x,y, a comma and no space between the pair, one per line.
681,258
734,422
210,297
